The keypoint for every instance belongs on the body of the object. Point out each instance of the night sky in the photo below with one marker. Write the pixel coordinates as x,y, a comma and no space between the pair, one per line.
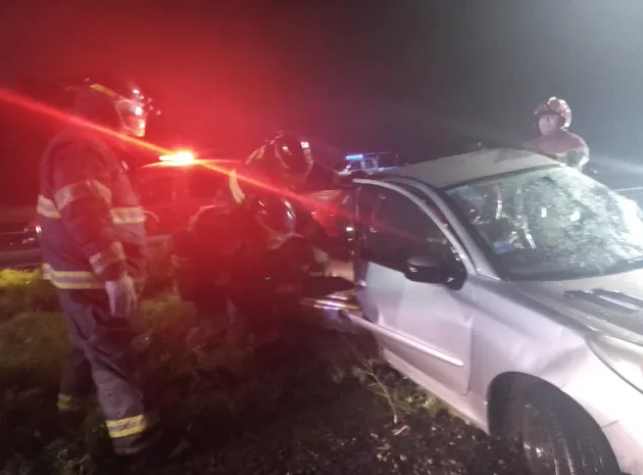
419,77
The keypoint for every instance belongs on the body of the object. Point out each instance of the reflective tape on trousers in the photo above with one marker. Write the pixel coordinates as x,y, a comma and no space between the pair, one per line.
132,425
71,279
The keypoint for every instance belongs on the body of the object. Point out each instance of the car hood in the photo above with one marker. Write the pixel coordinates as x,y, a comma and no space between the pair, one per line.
611,304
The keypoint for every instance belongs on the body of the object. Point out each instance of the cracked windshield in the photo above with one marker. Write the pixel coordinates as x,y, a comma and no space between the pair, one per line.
553,223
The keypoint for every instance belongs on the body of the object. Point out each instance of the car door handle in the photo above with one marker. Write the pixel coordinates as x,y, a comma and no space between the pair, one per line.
360,284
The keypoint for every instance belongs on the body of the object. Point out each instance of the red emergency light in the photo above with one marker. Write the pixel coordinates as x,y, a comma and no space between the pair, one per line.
180,158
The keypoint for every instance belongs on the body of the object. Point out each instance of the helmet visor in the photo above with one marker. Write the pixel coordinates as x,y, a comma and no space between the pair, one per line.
133,115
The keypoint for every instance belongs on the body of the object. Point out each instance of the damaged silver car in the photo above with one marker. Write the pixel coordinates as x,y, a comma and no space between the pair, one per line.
512,288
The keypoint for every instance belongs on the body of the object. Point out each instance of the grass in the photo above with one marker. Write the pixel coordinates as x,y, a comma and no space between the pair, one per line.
233,387
22,291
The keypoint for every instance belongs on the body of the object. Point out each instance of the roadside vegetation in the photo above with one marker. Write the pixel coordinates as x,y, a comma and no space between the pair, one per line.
299,400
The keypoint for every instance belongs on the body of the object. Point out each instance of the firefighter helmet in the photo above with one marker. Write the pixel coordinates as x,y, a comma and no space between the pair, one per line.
115,102
293,154
558,107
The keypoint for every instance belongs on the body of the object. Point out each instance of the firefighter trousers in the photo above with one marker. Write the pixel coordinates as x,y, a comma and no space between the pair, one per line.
101,356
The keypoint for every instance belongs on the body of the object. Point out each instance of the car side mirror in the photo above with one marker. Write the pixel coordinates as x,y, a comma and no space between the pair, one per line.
425,270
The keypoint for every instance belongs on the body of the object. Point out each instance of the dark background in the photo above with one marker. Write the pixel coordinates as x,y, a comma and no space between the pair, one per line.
419,77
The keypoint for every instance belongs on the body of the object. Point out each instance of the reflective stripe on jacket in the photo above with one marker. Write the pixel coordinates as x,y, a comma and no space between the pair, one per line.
263,168
91,220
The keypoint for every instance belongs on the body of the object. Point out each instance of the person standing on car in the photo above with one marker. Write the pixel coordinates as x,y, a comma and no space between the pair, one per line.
554,117
93,245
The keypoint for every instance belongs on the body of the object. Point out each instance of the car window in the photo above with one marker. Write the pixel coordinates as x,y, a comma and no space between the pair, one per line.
204,183
551,224
156,192
396,229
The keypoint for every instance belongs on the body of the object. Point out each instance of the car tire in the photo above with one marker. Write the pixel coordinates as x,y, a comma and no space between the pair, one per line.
556,436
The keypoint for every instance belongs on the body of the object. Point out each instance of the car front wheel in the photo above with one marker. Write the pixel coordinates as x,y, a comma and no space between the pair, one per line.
558,437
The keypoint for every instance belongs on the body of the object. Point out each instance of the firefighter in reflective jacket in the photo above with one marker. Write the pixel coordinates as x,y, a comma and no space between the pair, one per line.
93,243
554,117
282,163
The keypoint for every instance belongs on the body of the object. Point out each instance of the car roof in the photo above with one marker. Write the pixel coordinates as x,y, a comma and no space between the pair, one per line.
448,171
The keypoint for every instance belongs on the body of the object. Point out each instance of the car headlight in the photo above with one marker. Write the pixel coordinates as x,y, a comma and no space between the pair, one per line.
623,357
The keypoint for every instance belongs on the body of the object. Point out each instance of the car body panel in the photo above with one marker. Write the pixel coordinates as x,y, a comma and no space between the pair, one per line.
610,304
391,301
446,327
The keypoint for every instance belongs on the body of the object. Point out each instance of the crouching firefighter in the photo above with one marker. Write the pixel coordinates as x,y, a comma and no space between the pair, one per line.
283,162
233,261
93,244
281,166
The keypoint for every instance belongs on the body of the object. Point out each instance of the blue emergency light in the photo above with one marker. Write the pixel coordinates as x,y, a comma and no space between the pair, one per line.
355,156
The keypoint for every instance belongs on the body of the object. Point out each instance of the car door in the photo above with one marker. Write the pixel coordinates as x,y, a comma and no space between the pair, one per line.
426,327
378,280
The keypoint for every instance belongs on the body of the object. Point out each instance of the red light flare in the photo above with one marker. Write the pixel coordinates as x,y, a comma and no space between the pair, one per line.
31,105
36,107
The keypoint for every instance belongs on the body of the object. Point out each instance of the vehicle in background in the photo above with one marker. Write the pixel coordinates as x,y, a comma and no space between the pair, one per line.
510,286
176,187
362,164
20,241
